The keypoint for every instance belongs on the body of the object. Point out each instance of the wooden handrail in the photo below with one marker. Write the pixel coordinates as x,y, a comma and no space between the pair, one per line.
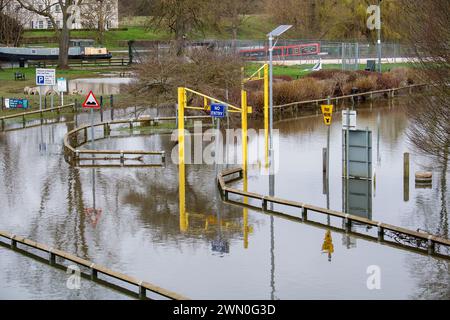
432,239
95,268
349,96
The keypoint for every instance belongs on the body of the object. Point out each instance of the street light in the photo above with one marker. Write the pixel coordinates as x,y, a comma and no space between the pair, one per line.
272,35
379,35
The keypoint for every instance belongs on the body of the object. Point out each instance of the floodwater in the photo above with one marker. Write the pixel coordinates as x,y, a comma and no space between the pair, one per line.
139,232
99,86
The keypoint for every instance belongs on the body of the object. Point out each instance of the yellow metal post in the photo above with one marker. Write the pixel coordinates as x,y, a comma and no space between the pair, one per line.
245,212
181,163
266,113
244,113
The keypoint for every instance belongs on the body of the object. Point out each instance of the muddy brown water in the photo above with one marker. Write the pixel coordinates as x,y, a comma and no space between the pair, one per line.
138,232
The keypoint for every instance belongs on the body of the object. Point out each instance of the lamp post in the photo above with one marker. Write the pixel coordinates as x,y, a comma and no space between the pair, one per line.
272,35
379,35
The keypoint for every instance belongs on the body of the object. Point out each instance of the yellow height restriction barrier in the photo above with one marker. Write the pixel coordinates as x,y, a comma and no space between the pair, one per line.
263,73
207,100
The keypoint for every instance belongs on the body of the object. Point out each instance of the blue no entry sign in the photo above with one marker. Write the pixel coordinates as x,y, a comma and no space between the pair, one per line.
218,110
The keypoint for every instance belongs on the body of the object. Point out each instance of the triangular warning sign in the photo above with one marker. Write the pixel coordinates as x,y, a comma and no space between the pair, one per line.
91,102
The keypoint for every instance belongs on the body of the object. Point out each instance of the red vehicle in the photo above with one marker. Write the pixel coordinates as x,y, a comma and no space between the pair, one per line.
298,50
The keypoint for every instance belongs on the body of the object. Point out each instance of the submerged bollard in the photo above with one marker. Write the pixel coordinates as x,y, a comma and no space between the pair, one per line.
304,214
94,272
406,177
142,291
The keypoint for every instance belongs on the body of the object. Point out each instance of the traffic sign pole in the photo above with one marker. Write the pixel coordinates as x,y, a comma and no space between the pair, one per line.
91,103
40,98
328,161
92,130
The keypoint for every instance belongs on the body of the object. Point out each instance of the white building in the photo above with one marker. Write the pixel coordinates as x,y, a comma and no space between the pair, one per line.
86,16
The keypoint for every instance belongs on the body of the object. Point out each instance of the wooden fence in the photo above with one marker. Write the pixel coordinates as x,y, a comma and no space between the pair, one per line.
419,240
74,156
95,269
41,114
388,92
83,63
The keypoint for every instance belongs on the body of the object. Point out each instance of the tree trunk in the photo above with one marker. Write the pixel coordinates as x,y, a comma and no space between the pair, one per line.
235,35
101,23
179,39
63,60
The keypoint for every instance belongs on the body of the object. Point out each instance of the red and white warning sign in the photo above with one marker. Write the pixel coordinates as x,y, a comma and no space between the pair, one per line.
91,102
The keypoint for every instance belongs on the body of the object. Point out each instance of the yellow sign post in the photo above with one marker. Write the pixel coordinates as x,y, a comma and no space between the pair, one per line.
327,111
265,76
244,110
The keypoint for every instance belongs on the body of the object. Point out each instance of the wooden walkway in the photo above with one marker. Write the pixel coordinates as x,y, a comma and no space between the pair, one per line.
75,156
425,242
95,269
23,115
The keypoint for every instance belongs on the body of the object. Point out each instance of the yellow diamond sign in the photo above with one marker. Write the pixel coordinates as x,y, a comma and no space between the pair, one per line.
327,111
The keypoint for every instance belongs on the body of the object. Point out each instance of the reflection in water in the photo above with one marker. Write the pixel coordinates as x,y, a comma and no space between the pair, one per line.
327,246
93,213
358,197
99,86
45,199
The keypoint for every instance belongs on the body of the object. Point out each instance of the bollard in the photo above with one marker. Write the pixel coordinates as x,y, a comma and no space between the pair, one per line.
111,103
431,245
380,232
304,214
264,204
347,223
406,177
101,108
94,272
13,242
142,291
52,257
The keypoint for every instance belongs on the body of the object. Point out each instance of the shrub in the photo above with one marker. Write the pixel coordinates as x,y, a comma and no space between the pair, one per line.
365,84
387,81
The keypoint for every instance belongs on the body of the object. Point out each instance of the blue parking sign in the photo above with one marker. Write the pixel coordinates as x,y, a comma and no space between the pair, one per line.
218,110
40,80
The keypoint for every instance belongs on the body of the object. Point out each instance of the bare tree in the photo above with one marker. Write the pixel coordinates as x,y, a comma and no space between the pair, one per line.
426,29
96,14
201,69
11,27
179,16
48,9
233,13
